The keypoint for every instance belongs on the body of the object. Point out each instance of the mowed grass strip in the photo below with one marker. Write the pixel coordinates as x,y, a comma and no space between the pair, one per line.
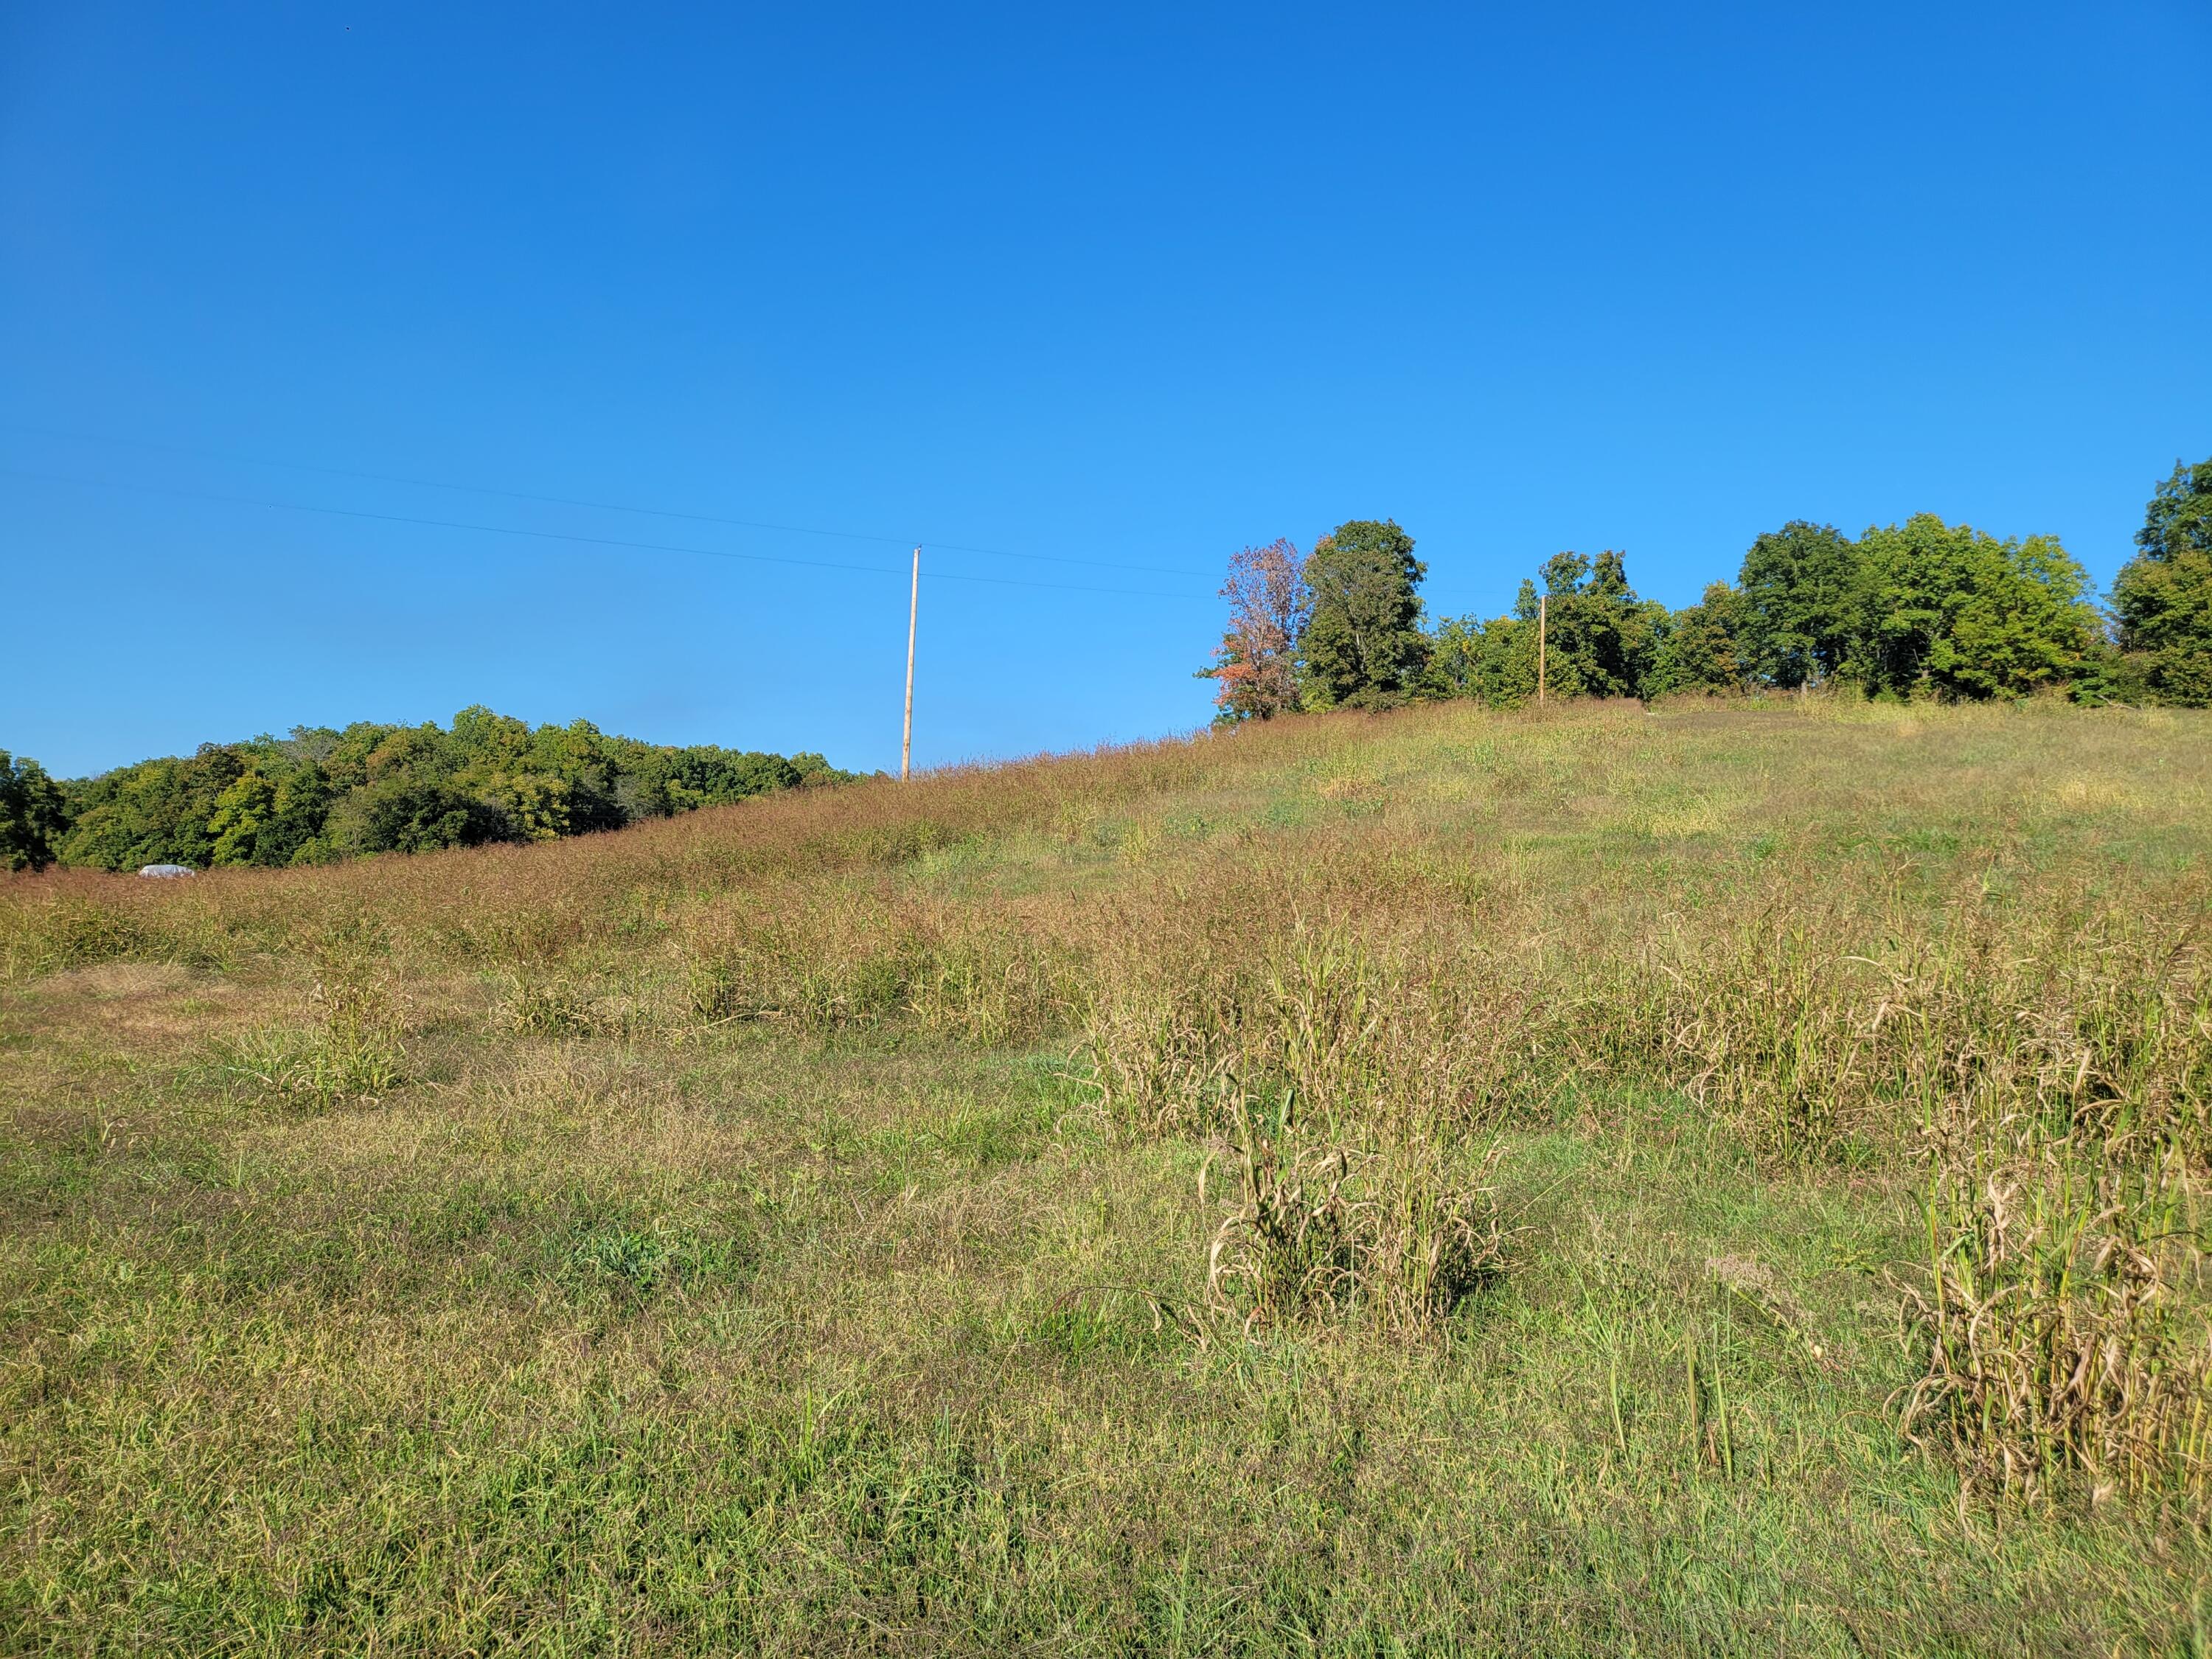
788,1229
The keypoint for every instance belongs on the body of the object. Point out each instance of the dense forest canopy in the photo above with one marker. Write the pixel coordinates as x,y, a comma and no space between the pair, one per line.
322,794
1918,610
2163,596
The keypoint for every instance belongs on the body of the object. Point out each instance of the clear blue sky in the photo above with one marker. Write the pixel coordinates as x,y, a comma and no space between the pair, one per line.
1131,284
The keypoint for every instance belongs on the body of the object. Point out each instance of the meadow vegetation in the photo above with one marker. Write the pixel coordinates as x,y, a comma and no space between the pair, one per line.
1713,1179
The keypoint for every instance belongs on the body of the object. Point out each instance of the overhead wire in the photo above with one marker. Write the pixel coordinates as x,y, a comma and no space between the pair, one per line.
566,536
602,507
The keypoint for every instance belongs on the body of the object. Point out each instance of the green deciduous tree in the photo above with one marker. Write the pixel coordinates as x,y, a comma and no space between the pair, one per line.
159,811
244,812
1703,646
1950,612
1804,604
34,815
322,793
664,781
1601,640
302,808
1363,647
2163,596
1492,662
403,814
1454,666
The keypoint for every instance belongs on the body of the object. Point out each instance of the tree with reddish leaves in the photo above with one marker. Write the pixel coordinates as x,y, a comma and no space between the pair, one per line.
1256,664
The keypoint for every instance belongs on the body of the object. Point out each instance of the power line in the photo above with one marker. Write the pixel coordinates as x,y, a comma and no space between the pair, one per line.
567,500
564,535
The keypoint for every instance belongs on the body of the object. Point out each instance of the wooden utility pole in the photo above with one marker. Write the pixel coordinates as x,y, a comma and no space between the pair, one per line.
1543,627
913,610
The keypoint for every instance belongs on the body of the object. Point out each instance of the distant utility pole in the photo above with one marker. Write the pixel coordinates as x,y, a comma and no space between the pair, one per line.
913,610
1543,627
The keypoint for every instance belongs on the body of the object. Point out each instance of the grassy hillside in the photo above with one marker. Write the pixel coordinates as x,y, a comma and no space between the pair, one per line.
1707,1180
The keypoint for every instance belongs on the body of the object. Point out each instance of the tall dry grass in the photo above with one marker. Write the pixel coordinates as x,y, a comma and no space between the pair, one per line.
1350,947
2060,1322
500,904
1400,953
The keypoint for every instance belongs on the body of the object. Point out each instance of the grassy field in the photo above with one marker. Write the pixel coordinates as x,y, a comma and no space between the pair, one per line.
1704,1180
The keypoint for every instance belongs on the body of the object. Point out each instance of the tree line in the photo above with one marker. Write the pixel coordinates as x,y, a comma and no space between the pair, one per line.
323,795
1920,609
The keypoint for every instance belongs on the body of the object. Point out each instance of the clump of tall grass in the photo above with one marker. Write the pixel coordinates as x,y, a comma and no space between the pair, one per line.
69,931
853,957
1160,1045
985,985
822,959
2054,1326
1426,1035
1398,1032
1813,1025
1387,1233
67,919
1764,1025
2095,1011
356,1051
542,1002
